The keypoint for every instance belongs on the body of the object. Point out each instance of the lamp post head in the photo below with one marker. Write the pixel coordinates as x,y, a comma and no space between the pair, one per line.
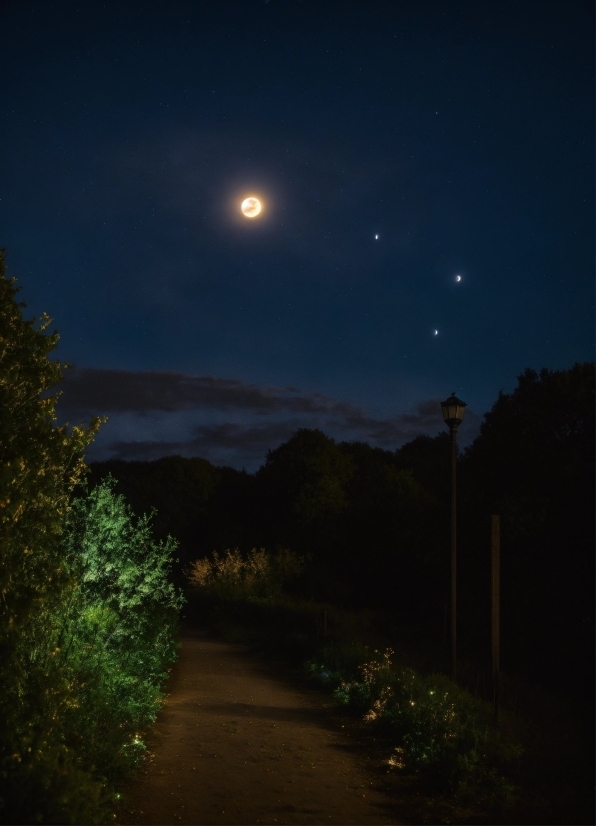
453,410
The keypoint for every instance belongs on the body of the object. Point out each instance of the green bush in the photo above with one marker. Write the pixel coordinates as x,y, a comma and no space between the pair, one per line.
117,631
442,730
95,659
40,465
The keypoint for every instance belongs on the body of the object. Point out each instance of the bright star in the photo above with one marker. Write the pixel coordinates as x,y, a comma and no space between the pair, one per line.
376,237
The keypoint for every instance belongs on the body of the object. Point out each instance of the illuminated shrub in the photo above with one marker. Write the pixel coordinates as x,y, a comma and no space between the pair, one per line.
95,659
117,635
441,729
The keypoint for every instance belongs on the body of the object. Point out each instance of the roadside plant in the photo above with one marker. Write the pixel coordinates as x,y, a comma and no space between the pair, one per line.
371,690
232,577
442,731
115,636
95,657
40,465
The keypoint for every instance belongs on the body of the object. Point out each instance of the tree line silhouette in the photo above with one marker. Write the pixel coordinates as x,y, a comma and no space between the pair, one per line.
374,524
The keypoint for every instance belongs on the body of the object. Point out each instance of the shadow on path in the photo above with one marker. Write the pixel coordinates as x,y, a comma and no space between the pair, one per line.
234,745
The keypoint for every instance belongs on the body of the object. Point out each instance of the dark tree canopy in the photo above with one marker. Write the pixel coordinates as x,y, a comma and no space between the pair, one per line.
303,483
540,437
428,459
178,488
205,507
533,464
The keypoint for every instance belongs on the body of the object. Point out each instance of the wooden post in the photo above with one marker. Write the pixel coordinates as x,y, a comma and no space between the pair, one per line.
446,624
495,605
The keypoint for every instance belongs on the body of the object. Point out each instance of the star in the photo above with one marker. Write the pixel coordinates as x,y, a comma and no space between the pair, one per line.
376,237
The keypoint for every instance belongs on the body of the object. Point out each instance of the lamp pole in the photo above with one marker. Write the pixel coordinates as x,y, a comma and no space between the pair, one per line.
453,435
453,413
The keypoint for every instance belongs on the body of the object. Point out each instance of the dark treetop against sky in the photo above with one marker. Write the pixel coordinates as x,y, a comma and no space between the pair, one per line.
394,145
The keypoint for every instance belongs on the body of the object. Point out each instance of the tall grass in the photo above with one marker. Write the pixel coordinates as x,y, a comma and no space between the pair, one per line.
258,575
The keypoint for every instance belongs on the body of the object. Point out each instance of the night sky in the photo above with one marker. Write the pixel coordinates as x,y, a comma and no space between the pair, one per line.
461,134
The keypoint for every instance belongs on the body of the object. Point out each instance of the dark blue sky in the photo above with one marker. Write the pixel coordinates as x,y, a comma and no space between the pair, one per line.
459,133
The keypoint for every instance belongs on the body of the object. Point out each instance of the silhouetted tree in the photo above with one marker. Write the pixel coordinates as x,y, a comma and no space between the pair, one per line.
533,463
428,458
302,488
388,534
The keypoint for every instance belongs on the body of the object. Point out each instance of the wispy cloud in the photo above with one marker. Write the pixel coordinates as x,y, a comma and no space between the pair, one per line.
97,389
227,421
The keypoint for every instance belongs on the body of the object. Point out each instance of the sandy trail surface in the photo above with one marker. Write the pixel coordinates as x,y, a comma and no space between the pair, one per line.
234,744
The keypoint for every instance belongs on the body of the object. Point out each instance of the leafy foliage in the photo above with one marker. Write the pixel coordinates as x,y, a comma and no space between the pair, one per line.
441,730
302,492
260,575
96,657
182,491
118,627
86,611
40,464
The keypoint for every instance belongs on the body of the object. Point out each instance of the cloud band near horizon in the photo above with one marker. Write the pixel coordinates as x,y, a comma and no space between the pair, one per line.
158,413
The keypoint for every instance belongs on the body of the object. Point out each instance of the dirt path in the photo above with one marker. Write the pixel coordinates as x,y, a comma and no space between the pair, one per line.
235,745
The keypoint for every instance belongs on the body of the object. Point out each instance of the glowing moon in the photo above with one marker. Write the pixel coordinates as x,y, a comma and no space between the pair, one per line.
458,277
251,207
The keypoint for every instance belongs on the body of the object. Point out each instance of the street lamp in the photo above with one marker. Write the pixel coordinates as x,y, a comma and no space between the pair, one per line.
453,413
